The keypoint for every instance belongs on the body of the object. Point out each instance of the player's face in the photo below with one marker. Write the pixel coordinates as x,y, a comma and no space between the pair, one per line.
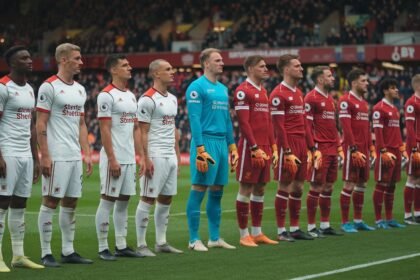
294,69
393,92
165,73
361,84
327,80
122,69
214,63
260,71
74,62
22,61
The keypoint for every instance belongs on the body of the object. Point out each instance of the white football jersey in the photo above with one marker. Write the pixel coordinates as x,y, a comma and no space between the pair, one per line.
120,107
65,104
160,111
17,104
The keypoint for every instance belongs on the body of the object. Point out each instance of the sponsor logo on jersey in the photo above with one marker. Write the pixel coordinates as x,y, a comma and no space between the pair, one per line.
168,120
72,110
128,118
62,92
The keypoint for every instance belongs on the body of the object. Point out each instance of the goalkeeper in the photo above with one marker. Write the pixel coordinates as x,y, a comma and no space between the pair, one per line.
256,148
212,149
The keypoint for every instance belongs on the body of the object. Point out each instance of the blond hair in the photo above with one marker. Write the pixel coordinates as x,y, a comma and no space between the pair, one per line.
63,50
205,54
415,81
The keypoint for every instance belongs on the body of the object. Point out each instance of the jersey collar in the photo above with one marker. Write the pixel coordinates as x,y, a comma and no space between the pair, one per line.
387,102
355,95
321,92
253,84
289,87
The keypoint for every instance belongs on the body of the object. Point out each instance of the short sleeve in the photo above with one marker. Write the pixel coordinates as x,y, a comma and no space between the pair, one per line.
45,97
105,103
3,97
145,109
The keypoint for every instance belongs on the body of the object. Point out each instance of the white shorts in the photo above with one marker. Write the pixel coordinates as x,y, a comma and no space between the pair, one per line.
65,181
19,176
125,184
164,180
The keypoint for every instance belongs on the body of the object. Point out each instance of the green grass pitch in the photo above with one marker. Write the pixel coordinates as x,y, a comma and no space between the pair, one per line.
283,261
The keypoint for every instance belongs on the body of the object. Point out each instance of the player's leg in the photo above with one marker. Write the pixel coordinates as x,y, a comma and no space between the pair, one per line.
312,201
350,174
67,214
295,203
163,205
242,214
257,209
378,199
4,205
409,189
358,200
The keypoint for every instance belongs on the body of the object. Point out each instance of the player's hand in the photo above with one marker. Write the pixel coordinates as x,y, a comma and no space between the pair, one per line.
89,166
37,172
388,159
340,152
415,159
372,152
317,158
203,159
403,151
309,161
142,168
149,167
258,158
291,163
358,159
114,168
234,157
46,166
275,155
2,168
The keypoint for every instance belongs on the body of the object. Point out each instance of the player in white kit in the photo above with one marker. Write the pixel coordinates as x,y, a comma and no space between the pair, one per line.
19,163
61,132
157,109
117,111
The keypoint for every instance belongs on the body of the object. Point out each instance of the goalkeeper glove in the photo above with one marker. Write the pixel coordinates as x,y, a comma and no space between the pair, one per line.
415,158
234,157
258,157
403,151
275,155
317,158
203,159
291,162
372,151
387,159
358,158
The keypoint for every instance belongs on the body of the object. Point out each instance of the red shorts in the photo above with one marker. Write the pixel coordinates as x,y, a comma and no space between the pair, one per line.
299,148
245,173
328,171
388,175
352,173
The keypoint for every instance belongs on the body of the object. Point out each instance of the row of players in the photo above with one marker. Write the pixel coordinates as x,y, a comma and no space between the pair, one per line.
147,127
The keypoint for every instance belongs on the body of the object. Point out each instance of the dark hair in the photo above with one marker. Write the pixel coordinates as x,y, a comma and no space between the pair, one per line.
354,75
112,60
318,71
387,83
284,60
12,51
251,61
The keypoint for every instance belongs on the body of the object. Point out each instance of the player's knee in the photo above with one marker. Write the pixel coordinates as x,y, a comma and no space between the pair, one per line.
148,200
164,199
108,198
69,202
50,202
18,202
4,201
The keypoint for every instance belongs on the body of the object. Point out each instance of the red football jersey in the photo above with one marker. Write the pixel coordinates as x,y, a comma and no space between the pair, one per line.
321,118
251,106
386,124
354,119
412,121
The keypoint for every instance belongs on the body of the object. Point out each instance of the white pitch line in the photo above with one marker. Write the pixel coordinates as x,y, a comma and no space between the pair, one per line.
312,276
172,215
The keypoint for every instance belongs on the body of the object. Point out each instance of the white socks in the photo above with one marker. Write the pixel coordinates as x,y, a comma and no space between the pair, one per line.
142,220
120,223
3,213
161,222
67,221
16,223
102,223
45,229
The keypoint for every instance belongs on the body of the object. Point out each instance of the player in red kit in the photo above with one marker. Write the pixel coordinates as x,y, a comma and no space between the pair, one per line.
390,148
412,123
255,150
357,143
321,124
287,111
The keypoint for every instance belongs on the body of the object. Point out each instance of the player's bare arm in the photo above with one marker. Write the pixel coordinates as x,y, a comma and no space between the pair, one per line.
144,129
2,162
138,146
34,150
84,143
178,153
41,129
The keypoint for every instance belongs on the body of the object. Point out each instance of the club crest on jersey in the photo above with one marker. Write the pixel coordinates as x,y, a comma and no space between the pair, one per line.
290,98
257,95
275,101
344,105
240,95
357,105
307,107
390,113
376,115
410,109
194,94
104,107
322,104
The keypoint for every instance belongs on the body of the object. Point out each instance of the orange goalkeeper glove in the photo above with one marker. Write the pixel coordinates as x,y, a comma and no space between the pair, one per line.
387,159
258,157
415,158
203,159
317,158
403,151
309,161
291,163
275,156
234,157
372,151
358,159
